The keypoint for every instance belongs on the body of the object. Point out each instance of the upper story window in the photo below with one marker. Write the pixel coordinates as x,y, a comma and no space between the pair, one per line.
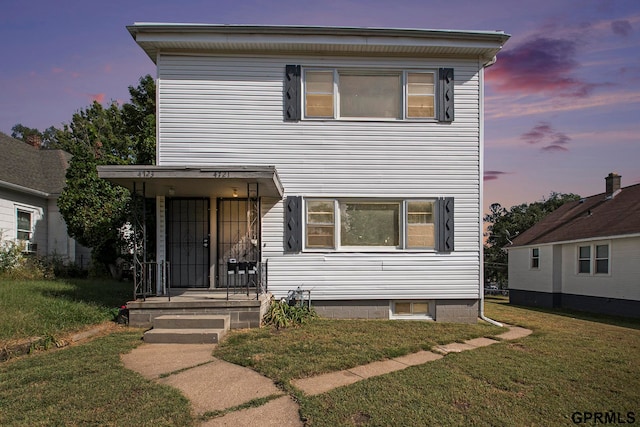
23,222
369,94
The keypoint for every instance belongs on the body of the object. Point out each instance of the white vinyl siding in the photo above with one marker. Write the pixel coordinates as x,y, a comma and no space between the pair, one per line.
228,110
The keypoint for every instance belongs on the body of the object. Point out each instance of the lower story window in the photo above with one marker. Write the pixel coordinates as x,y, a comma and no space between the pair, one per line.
401,224
419,308
593,259
535,258
602,259
23,220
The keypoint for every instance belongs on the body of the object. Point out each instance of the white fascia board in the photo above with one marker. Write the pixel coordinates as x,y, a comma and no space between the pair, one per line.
568,242
27,190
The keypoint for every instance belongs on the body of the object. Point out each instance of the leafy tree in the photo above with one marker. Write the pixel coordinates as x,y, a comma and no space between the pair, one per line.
48,137
94,209
505,225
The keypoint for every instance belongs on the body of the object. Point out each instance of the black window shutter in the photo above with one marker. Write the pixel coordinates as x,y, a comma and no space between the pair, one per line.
293,224
292,93
445,95
444,241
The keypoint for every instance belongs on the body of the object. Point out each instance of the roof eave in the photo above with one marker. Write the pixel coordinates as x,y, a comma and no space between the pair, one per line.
153,38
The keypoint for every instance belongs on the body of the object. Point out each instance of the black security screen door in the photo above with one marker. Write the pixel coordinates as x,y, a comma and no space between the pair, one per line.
238,237
188,245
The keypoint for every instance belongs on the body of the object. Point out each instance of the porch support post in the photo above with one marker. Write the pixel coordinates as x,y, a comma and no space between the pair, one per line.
161,244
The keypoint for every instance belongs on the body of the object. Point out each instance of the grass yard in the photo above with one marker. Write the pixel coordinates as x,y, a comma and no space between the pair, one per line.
51,308
331,345
86,385
569,366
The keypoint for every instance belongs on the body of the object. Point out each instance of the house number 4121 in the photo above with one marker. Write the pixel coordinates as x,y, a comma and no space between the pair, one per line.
145,174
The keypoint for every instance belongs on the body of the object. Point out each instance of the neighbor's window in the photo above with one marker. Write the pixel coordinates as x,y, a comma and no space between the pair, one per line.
420,226
23,220
602,259
369,224
535,258
584,259
369,94
320,224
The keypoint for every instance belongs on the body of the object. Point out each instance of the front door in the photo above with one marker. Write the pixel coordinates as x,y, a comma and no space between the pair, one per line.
188,234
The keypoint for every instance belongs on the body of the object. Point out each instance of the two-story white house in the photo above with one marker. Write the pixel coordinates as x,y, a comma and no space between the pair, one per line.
346,160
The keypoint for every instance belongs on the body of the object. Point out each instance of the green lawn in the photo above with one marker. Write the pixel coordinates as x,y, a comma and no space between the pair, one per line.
571,363
43,308
86,385
568,365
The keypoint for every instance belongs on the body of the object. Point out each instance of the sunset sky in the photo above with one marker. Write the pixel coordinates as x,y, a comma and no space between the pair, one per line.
562,102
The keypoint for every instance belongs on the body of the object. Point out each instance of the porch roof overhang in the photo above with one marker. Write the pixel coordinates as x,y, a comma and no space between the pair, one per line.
195,181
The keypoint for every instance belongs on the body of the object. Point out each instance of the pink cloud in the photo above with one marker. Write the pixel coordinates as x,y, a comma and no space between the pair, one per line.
108,68
554,148
539,65
98,97
75,75
57,70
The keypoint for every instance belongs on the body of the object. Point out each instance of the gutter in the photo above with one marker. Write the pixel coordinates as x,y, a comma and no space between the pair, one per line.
481,192
22,189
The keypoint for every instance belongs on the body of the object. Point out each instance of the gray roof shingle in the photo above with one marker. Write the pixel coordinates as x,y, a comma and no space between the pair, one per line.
26,166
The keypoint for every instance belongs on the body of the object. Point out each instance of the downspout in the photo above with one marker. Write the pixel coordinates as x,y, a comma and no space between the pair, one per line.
481,287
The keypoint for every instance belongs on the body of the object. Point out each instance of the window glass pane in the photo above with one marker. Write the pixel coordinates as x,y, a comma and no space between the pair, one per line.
369,224
602,251
403,308
585,252
420,95
584,266
319,93
535,252
535,263
23,235
420,227
320,224
420,308
370,95
24,221
602,266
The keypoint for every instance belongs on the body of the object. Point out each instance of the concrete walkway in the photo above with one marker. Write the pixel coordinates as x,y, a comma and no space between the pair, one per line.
214,385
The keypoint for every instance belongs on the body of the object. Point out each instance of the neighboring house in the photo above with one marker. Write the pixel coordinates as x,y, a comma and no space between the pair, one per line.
31,179
347,160
585,255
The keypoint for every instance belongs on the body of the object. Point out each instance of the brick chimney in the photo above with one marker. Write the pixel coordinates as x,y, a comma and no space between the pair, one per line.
612,185
34,140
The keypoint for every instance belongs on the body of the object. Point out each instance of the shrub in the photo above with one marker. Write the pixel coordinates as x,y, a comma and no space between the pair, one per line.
11,255
283,315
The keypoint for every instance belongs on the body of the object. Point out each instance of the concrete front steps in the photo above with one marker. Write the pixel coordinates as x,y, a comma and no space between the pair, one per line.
188,329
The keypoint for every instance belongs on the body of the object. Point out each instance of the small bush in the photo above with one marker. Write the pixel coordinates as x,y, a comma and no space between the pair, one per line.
283,315
11,255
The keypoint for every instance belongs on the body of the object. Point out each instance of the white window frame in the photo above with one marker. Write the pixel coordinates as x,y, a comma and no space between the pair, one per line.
533,257
403,74
402,225
593,246
429,315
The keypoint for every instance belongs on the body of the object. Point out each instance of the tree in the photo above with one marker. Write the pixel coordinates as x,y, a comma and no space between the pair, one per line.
23,133
94,209
505,225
